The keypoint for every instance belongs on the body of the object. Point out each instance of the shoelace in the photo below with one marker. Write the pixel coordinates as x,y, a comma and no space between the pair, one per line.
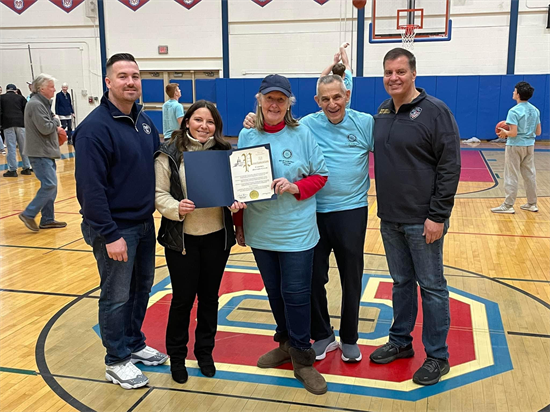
431,365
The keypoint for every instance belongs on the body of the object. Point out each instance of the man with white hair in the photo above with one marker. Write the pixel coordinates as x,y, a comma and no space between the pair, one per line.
42,148
64,109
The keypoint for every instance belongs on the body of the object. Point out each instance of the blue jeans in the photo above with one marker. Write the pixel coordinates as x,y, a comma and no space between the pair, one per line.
125,288
45,171
16,136
287,280
411,261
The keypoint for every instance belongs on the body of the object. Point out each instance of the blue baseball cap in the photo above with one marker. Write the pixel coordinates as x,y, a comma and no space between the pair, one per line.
11,87
276,83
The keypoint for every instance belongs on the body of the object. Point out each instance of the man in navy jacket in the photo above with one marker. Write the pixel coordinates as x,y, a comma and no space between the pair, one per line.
417,168
64,109
115,184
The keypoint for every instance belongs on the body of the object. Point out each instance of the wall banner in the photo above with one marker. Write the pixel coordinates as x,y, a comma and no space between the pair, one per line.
133,4
262,2
18,6
188,4
67,5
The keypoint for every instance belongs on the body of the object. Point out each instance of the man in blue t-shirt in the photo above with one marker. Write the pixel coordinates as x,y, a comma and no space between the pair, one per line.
342,69
524,122
172,111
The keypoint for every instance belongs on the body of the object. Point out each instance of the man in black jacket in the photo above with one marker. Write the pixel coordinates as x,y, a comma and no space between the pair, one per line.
12,110
417,168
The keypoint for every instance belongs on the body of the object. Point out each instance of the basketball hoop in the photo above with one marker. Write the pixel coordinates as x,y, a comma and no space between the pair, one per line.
407,35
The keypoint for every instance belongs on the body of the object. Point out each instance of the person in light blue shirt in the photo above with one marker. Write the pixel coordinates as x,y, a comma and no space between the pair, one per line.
345,137
524,122
283,232
172,111
342,69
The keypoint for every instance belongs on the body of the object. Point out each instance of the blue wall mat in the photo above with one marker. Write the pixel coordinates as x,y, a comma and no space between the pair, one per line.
506,102
306,95
236,110
478,102
362,97
488,102
466,106
428,83
206,89
156,117
186,87
221,102
446,90
545,112
152,90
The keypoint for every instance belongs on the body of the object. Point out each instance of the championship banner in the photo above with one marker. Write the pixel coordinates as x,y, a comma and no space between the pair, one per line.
321,2
261,2
188,4
18,6
67,5
133,4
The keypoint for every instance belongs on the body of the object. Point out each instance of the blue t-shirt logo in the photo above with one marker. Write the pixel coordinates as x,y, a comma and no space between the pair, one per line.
287,153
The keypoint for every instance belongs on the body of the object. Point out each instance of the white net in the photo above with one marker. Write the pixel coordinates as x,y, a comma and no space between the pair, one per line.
407,36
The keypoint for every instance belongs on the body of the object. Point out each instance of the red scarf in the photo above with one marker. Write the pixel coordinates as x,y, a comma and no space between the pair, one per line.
274,129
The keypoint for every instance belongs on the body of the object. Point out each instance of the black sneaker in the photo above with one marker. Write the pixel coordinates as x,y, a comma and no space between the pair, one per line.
431,371
26,172
390,352
10,173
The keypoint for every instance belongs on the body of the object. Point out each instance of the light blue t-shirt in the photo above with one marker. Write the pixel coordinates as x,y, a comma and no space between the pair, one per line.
171,112
526,117
348,82
285,224
346,148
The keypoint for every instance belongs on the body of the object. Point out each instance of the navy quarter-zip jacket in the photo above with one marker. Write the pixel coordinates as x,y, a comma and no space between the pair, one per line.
416,160
114,168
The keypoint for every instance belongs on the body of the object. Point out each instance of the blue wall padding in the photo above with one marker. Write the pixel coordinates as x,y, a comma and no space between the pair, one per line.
152,90
156,117
478,102
206,89
186,87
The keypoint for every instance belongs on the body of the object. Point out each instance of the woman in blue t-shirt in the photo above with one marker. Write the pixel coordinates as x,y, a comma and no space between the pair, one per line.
283,232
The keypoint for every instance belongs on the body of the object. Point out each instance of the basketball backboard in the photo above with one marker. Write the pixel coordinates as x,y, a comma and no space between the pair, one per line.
390,17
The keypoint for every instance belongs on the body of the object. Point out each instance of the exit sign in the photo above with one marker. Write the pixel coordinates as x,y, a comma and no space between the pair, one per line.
163,49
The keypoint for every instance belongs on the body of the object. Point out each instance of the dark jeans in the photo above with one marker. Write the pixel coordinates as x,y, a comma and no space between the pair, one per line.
411,261
198,273
125,288
343,232
68,126
287,280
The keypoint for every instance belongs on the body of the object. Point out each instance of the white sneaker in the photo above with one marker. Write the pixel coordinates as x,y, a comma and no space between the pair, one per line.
149,356
530,207
126,374
503,208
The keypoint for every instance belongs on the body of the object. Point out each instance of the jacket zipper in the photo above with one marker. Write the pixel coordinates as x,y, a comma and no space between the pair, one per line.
132,120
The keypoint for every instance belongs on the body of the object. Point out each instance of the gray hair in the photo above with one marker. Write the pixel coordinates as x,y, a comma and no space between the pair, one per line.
40,81
288,119
65,85
331,78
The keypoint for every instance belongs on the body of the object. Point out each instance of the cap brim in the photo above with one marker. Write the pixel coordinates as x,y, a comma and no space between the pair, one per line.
276,89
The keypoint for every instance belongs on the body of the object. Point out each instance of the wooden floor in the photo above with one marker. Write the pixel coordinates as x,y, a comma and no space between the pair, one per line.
497,266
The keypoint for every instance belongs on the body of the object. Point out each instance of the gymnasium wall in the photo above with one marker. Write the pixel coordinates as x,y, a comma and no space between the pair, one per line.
297,38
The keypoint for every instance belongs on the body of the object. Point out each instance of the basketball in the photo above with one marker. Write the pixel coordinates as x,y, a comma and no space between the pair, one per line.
501,125
359,4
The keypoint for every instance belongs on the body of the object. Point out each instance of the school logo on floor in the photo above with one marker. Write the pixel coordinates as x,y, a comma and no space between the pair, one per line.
477,342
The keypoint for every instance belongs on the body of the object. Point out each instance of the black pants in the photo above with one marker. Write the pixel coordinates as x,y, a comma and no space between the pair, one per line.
343,232
68,124
198,273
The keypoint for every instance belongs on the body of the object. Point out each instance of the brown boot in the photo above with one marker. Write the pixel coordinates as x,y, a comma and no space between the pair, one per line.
302,361
275,357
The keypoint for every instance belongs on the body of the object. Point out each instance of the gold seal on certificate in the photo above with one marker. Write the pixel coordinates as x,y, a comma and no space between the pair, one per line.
251,174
